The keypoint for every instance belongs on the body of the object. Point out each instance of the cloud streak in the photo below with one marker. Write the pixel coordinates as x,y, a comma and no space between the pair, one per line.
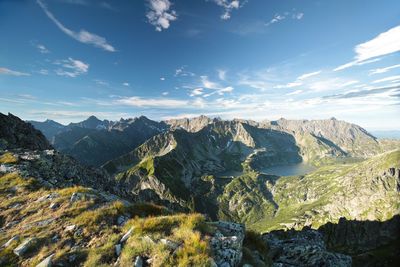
385,43
5,71
383,70
162,103
71,67
363,93
82,36
279,17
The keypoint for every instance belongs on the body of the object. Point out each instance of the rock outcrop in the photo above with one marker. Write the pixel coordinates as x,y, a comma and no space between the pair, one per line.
54,169
304,248
227,244
15,133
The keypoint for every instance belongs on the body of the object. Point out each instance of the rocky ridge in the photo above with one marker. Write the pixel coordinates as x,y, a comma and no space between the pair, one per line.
15,133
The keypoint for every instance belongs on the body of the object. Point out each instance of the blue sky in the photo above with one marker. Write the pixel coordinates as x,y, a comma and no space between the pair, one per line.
254,59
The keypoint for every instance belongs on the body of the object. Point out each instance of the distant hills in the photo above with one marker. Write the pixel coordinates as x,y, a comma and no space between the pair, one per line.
95,142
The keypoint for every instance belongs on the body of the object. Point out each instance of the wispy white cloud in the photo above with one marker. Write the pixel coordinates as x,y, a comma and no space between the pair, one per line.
5,71
165,93
71,67
295,92
160,15
43,72
162,78
42,49
288,85
101,82
126,84
222,74
330,84
228,6
197,92
299,81
308,75
183,72
279,17
383,70
82,36
209,84
162,103
299,15
387,79
385,43
219,89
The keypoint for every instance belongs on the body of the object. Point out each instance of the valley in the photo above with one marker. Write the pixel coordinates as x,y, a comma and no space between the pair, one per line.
269,177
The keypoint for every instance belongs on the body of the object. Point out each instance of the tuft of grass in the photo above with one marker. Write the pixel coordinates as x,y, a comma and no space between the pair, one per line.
103,255
146,209
8,158
11,180
67,192
189,231
194,252
92,219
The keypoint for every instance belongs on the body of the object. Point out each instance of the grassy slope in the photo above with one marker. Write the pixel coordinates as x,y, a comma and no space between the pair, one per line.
308,198
96,219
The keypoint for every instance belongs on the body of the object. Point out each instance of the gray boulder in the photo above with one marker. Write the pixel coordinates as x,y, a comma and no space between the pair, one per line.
47,262
24,246
126,235
138,262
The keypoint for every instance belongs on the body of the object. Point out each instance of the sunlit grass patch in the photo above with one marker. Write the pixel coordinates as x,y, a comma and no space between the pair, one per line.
8,158
14,180
187,231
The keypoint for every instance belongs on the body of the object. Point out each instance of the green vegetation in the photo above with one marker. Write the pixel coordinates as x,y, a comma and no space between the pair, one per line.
188,232
96,226
264,203
8,158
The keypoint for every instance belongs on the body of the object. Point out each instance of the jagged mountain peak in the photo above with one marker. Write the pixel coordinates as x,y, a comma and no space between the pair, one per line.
194,124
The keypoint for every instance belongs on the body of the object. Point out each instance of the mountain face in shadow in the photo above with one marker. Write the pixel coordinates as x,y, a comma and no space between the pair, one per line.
15,133
94,142
370,243
347,243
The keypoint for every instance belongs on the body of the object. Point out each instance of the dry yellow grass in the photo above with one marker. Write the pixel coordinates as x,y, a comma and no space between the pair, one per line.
8,158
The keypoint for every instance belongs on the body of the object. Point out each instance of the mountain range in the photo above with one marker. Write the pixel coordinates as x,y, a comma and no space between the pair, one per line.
229,170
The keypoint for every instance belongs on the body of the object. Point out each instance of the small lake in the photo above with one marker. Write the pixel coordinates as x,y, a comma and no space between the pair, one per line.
289,170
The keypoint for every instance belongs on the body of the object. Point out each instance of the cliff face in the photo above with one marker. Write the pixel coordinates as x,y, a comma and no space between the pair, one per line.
190,125
343,138
15,133
316,138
